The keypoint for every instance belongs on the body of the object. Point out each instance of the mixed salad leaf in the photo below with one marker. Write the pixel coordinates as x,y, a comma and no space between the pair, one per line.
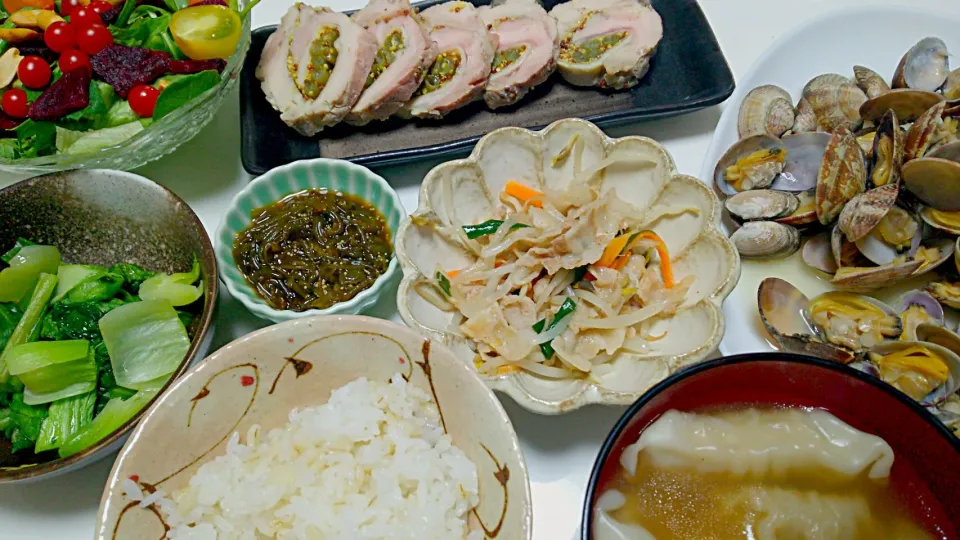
92,76
83,347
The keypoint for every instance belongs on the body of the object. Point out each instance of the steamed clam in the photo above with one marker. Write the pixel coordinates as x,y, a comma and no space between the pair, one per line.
852,321
765,240
767,110
916,308
842,175
761,204
924,67
870,81
923,371
945,292
836,101
751,163
887,152
930,131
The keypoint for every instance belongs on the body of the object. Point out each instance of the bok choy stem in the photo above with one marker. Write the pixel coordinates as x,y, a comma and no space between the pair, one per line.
28,327
65,418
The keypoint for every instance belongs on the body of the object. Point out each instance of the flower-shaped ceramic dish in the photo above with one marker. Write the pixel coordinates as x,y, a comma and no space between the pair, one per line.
319,173
156,140
261,377
463,192
105,217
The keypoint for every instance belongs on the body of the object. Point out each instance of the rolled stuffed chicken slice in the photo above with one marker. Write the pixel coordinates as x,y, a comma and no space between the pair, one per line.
462,67
405,53
606,43
313,68
528,46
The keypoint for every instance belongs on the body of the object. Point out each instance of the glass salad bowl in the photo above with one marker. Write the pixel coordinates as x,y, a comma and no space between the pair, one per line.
156,140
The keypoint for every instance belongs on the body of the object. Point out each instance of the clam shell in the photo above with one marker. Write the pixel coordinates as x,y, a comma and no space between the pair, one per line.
842,175
781,308
951,89
927,303
765,240
924,67
879,252
812,346
923,132
806,212
930,217
865,279
766,109
907,103
805,118
870,81
802,164
950,151
817,253
945,292
934,181
864,212
823,334
761,204
889,129
946,249
836,101
931,331
742,148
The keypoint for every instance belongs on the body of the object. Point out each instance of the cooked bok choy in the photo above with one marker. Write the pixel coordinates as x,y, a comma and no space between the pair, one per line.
83,348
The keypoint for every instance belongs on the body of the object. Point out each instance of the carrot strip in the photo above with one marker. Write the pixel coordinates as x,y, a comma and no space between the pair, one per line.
617,253
453,273
524,193
508,368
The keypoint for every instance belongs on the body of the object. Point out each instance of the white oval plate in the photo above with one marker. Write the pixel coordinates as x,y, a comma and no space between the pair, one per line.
872,36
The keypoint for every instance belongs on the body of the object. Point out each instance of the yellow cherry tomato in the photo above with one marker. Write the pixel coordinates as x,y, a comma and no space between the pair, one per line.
206,32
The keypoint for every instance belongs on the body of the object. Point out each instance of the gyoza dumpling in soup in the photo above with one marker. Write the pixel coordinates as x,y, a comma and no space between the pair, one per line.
762,474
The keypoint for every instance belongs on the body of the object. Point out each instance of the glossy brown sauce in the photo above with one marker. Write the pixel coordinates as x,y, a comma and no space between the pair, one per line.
313,249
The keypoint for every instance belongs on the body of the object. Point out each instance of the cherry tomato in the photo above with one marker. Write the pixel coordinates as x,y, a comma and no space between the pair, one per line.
206,32
73,60
99,7
143,99
83,17
34,72
60,36
12,6
94,38
67,7
14,103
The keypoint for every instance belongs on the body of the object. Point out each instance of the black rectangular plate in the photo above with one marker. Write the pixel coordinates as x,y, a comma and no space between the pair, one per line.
689,72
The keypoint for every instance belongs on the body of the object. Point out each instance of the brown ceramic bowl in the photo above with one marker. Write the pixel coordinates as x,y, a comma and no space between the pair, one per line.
104,217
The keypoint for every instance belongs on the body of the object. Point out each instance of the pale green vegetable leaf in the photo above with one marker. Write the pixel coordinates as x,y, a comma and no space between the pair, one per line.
116,413
94,141
52,370
71,275
18,280
30,321
65,417
178,289
145,340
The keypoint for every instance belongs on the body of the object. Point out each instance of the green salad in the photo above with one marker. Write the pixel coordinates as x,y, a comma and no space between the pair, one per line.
84,347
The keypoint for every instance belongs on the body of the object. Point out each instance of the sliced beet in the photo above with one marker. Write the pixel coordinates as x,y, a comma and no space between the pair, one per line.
185,67
7,123
124,67
37,48
70,93
111,15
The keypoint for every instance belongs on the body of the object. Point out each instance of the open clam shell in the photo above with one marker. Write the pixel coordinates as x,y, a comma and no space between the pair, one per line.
802,165
919,384
818,255
758,160
945,292
950,151
866,279
870,82
805,119
887,152
842,175
853,321
467,191
898,234
945,221
924,132
951,88
935,181
761,204
766,109
924,67
865,211
806,213
909,104
916,308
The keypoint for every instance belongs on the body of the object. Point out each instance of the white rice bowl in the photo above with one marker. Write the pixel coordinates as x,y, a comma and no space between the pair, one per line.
371,463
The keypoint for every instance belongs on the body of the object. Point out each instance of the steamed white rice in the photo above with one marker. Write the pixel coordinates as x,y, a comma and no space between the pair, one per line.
372,463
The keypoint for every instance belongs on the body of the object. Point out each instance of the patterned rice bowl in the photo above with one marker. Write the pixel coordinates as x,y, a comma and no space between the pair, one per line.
464,192
320,173
260,378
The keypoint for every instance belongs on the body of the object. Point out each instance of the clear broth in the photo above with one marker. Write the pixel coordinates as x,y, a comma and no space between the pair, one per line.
685,504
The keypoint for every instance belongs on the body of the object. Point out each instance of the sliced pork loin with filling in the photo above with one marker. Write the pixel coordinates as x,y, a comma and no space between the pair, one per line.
404,55
314,66
527,50
462,67
606,43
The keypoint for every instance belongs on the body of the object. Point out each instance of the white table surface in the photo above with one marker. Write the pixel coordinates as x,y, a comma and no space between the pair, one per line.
560,450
